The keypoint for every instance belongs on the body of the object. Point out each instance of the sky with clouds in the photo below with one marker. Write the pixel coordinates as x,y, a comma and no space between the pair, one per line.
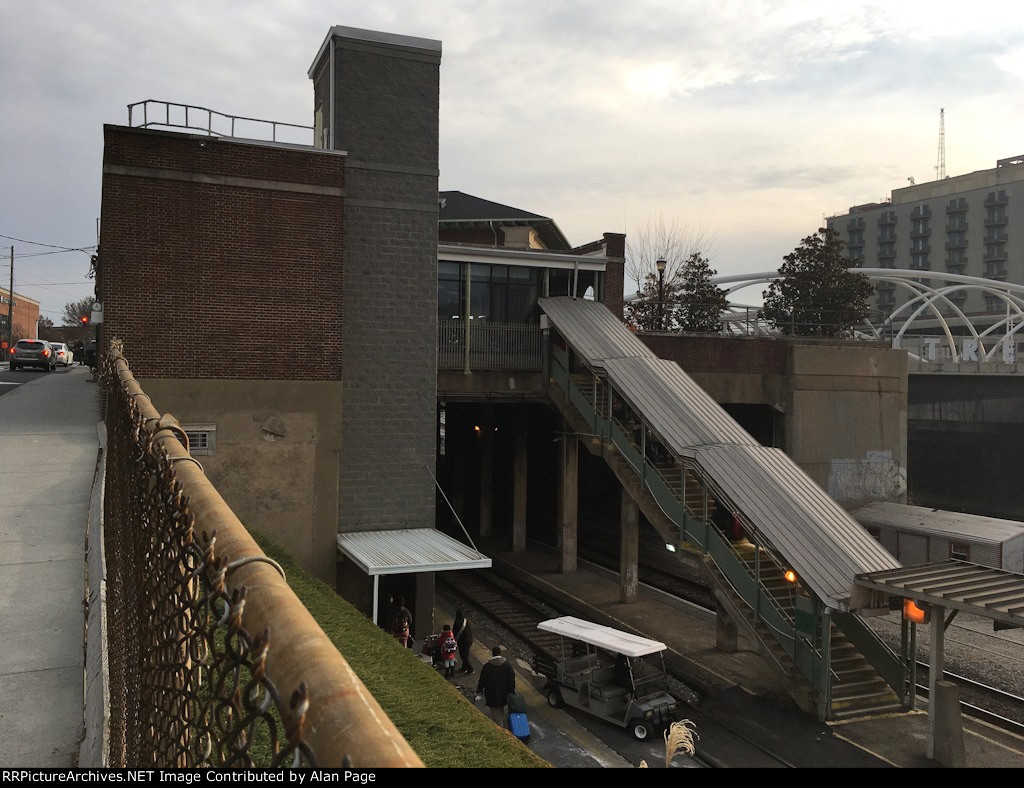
746,121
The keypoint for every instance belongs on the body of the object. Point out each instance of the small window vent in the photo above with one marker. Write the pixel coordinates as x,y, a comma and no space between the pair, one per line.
202,439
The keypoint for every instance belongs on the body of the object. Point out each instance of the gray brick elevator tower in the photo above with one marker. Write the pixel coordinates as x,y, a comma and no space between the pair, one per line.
376,98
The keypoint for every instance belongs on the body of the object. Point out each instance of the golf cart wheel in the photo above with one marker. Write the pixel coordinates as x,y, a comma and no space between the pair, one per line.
554,698
641,730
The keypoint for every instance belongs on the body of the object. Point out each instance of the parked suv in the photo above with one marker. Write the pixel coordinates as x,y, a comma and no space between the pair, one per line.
33,353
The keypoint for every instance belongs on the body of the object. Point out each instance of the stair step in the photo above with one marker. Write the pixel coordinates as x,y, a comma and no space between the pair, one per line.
852,712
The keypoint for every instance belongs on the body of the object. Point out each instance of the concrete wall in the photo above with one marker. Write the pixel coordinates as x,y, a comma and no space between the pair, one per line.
275,461
846,420
843,406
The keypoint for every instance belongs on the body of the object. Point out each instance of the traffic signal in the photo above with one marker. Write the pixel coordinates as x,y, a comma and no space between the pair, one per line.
84,320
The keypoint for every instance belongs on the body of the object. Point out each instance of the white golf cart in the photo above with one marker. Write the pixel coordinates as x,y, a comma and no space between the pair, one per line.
614,675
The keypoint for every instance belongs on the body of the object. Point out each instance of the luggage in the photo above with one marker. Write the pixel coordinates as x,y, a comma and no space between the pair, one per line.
431,649
520,726
516,703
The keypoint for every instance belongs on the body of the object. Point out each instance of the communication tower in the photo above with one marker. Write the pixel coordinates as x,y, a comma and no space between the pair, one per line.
940,166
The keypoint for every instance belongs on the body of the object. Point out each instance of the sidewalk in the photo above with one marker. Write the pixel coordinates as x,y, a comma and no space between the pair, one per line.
48,451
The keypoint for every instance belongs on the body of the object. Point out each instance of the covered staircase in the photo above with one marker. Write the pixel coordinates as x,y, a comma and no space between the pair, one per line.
682,458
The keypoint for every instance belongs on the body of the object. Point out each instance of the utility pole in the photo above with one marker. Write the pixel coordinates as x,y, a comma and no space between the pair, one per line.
10,307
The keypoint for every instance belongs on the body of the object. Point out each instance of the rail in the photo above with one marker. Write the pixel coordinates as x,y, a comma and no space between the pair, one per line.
167,114
213,659
479,345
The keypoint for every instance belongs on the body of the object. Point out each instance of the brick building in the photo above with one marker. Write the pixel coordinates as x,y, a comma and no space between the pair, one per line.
19,319
280,300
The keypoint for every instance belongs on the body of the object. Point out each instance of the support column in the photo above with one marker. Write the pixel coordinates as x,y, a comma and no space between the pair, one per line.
945,726
569,503
486,478
629,548
726,634
519,506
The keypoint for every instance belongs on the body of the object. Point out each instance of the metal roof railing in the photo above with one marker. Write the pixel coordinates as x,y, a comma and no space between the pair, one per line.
167,114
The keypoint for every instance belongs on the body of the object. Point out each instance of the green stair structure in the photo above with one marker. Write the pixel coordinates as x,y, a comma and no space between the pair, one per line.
681,458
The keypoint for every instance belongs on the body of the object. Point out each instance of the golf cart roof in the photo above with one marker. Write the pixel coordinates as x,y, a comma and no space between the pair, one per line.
614,640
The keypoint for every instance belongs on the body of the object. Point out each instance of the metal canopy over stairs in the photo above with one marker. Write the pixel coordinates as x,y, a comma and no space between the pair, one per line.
681,457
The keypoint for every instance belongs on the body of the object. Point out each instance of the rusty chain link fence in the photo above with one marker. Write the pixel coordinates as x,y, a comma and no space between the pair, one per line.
213,661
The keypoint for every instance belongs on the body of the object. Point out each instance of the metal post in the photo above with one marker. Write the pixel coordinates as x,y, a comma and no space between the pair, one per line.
661,299
10,308
466,314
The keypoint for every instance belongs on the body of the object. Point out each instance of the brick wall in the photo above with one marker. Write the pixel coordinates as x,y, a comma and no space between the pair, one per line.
24,315
386,117
615,272
221,259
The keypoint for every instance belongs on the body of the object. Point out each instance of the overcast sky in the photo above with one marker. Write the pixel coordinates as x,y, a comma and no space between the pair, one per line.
747,121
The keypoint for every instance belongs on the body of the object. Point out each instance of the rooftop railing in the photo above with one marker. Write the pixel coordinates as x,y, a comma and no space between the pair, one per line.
167,114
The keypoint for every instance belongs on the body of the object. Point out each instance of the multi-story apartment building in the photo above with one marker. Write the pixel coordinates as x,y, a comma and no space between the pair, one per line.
967,225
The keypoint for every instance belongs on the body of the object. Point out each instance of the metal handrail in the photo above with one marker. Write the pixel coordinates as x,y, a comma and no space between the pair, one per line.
189,111
646,481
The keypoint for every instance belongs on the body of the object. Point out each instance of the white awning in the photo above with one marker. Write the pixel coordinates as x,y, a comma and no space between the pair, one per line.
408,550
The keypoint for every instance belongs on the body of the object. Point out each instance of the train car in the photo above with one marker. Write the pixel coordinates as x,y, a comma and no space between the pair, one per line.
920,535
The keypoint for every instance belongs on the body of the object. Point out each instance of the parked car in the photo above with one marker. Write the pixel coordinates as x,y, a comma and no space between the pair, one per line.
89,357
62,353
33,353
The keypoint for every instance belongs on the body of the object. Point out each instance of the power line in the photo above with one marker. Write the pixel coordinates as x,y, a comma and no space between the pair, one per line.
52,246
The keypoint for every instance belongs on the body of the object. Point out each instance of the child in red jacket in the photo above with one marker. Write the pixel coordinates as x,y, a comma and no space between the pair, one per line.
448,647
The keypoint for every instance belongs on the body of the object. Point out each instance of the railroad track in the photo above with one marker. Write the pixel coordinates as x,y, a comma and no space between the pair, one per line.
994,706
978,699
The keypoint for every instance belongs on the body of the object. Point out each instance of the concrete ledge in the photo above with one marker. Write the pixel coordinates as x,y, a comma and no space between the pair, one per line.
94,753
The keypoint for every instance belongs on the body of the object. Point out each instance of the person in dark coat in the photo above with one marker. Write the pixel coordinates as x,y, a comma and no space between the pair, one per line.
401,622
464,636
497,680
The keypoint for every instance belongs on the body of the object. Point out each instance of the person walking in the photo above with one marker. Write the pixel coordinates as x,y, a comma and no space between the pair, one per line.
464,637
401,622
447,646
497,680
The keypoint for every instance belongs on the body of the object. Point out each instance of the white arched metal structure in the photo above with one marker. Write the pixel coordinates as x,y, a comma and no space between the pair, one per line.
989,333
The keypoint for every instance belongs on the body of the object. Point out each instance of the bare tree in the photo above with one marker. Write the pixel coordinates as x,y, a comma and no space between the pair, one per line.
674,242
74,311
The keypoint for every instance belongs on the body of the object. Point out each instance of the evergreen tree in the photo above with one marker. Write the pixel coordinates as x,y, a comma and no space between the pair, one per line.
816,294
700,303
655,308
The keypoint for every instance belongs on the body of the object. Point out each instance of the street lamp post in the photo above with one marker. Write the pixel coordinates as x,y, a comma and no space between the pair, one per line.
661,292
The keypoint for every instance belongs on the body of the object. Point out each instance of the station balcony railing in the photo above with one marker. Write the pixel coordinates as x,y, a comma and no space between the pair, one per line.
478,345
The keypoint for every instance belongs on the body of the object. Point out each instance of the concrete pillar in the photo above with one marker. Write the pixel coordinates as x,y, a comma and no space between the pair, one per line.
486,480
457,493
936,667
629,548
423,609
519,494
726,635
568,509
944,709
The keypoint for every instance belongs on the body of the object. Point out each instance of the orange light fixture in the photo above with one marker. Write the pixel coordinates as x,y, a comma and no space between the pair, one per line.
790,575
914,613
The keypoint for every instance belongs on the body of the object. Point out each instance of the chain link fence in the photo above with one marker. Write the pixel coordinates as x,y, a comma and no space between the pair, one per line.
189,643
